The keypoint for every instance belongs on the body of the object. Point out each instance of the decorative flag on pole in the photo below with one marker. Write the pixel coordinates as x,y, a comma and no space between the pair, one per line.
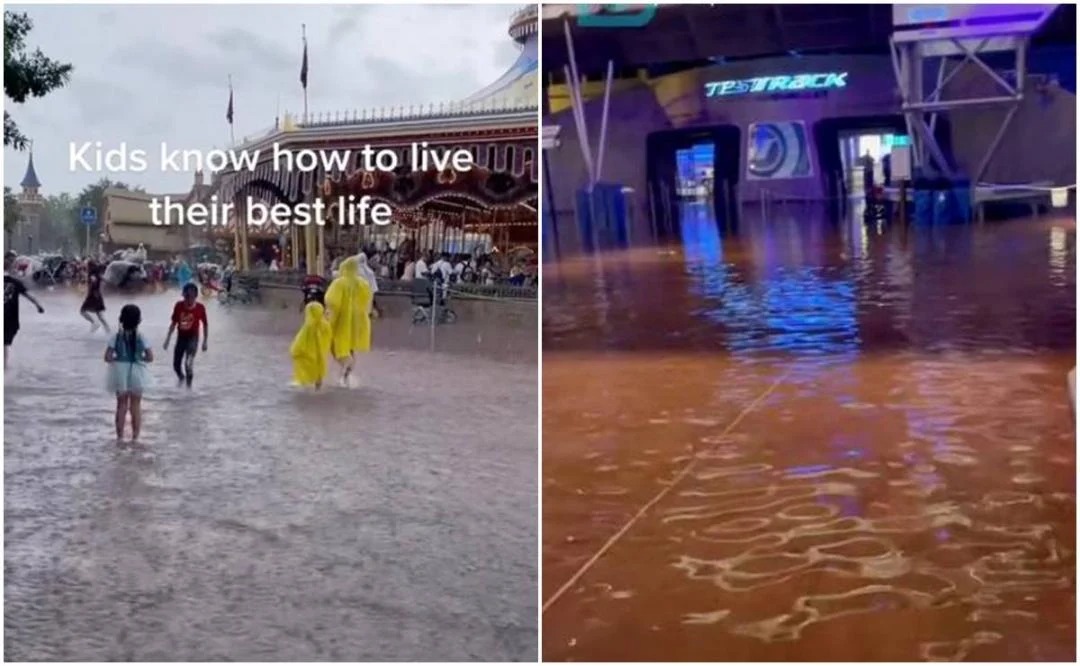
303,68
304,65
229,114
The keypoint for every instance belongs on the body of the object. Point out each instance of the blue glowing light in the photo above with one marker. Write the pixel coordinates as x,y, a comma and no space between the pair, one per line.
777,84
928,14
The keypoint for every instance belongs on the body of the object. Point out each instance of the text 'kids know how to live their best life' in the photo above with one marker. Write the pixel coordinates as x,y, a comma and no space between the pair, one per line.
348,210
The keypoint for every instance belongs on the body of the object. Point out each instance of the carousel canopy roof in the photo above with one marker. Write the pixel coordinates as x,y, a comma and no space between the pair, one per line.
518,84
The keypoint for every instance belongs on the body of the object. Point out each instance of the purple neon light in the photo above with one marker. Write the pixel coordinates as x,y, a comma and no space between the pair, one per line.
976,21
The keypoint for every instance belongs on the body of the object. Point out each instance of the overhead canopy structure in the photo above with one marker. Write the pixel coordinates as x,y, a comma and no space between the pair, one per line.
684,36
948,38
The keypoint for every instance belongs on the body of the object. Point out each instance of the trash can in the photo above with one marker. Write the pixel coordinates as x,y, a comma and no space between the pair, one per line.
960,205
941,201
602,217
922,195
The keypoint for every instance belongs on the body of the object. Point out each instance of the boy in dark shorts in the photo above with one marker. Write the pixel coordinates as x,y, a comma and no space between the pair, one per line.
186,317
13,290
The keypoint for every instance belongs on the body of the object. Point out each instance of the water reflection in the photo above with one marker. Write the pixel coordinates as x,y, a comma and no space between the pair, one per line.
799,284
790,431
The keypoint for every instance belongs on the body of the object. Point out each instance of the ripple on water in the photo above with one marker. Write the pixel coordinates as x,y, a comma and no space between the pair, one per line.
906,470
255,523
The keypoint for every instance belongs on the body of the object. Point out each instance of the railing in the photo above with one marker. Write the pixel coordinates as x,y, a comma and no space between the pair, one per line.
373,116
293,279
523,22
417,112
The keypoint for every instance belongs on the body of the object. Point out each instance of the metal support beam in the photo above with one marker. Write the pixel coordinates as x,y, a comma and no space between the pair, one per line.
911,54
778,27
984,163
946,105
940,86
931,146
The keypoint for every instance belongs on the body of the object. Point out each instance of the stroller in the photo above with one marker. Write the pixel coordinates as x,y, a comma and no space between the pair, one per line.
53,268
125,276
422,298
238,290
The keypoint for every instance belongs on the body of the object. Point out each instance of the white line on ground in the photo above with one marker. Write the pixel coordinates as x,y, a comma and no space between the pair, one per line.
659,496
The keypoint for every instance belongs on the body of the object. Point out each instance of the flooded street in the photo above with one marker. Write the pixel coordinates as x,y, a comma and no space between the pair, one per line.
394,521
792,439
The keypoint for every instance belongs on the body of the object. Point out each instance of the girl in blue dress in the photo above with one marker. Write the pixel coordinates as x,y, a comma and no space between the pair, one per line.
127,356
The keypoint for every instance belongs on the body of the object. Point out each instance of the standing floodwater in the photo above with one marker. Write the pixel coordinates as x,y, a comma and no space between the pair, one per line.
394,521
794,439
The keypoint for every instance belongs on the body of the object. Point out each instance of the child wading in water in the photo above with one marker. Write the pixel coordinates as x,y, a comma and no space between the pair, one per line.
14,289
349,301
310,347
186,317
94,303
127,357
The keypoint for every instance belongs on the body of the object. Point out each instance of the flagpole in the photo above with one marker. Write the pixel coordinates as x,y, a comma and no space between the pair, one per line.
303,32
232,131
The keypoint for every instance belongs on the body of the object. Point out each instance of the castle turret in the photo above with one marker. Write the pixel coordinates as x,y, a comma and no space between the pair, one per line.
31,207
30,180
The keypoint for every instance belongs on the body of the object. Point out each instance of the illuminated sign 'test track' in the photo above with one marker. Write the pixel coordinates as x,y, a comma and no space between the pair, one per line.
777,84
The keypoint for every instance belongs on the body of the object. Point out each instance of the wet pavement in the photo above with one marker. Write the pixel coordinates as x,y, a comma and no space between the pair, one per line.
394,521
802,440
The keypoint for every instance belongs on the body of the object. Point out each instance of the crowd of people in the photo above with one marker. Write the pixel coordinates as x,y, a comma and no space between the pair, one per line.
128,268
476,268
336,323
464,268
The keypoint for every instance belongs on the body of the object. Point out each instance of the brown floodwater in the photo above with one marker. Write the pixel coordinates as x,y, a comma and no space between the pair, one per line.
795,439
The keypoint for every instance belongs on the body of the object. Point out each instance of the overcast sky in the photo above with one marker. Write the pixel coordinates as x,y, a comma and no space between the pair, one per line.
147,74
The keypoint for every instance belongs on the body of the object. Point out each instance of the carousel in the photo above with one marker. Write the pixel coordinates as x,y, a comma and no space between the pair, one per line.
489,209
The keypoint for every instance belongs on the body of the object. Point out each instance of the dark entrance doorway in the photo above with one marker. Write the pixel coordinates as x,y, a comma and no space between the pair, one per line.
842,142
695,164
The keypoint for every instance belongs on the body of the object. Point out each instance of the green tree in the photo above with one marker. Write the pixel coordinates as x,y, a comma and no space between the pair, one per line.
94,195
26,74
11,210
61,218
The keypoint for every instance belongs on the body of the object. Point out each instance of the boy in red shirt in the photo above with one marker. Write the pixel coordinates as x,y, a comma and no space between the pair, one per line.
186,317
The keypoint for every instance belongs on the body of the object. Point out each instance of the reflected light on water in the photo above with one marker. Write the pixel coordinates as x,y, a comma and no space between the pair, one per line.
791,431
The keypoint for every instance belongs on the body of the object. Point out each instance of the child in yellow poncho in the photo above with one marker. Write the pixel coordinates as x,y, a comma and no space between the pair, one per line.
310,347
349,301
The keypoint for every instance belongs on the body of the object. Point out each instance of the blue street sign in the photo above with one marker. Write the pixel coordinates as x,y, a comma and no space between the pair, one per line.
88,215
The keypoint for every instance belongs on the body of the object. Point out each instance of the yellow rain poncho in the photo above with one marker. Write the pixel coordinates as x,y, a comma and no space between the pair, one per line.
310,347
349,302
